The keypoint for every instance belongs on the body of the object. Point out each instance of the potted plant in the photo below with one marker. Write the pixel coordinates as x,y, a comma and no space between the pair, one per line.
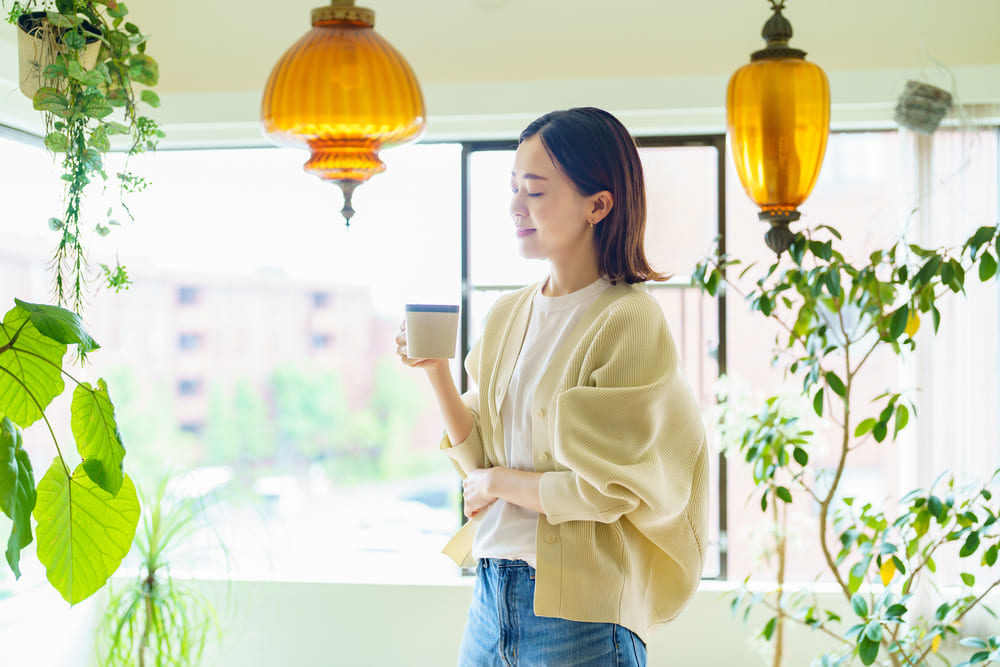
836,315
154,618
89,89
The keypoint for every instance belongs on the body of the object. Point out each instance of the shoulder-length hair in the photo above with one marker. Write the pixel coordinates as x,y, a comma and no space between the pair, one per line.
597,153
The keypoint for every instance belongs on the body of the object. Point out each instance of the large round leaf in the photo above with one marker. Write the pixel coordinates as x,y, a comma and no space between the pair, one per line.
97,436
83,532
30,369
59,324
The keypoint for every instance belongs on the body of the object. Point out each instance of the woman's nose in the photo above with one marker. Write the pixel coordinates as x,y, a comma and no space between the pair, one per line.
517,207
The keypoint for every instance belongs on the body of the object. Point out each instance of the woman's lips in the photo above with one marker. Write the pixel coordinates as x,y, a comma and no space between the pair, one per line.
521,233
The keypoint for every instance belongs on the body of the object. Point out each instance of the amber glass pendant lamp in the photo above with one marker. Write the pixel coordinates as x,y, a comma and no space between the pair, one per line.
778,118
345,93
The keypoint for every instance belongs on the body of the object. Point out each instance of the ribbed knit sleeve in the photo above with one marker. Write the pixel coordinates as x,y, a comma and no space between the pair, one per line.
469,454
629,434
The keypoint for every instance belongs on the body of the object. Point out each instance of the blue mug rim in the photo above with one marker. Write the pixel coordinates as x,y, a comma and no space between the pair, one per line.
430,308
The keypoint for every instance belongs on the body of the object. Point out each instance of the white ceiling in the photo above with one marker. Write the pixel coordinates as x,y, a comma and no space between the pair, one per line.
489,66
231,45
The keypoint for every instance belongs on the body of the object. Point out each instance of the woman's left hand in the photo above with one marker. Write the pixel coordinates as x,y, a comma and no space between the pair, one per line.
477,491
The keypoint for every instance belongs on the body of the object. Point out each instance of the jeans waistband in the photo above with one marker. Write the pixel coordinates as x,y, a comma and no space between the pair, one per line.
504,562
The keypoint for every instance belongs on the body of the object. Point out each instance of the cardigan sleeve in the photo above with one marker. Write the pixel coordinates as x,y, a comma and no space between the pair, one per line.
630,434
469,454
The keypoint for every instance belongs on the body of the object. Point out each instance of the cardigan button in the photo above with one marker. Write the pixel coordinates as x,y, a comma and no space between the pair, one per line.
543,457
550,538
540,413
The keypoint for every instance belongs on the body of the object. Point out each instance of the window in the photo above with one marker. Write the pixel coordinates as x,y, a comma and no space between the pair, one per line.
347,438
321,340
189,341
187,295
331,461
192,428
189,386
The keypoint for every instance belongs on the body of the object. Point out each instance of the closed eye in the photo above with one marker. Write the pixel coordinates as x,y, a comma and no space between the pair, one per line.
515,190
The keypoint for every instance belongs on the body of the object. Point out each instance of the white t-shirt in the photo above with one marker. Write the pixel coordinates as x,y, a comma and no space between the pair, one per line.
508,531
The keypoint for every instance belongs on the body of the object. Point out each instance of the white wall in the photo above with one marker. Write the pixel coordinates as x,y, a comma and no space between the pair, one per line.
372,625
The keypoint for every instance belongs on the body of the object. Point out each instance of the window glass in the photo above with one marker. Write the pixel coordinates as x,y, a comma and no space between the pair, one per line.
858,194
255,349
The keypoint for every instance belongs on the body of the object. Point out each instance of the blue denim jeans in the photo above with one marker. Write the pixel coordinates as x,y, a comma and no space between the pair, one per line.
503,631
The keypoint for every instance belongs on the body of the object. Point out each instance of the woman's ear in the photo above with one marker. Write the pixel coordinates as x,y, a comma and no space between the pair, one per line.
602,204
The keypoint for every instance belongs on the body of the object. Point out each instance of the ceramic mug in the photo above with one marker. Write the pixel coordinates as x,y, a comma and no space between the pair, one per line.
431,331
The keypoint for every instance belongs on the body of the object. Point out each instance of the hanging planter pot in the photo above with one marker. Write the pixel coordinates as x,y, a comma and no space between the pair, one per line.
922,106
38,44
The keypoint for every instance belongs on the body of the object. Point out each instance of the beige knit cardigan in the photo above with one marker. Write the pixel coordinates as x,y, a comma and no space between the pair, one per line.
620,440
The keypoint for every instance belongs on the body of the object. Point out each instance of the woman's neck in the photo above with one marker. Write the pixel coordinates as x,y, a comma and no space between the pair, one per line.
565,280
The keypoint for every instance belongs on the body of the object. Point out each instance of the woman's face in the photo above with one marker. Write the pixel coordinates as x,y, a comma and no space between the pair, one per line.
550,215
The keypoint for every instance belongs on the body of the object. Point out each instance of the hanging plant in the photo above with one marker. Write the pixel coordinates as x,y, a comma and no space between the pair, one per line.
83,65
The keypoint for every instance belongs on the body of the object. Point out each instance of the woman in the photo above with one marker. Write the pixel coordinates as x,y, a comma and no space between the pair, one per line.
582,450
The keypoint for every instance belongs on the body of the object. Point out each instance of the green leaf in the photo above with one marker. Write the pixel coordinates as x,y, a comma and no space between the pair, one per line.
17,491
895,611
115,128
801,456
152,99
902,419
873,631
990,556
117,97
983,235
83,532
91,159
97,436
59,324
987,266
85,77
927,271
51,100
864,427
55,70
783,493
57,142
859,605
970,546
769,629
972,642
117,10
143,69
968,579
879,431
835,383
867,650
99,139
818,403
30,368
68,20
833,282
94,105
897,324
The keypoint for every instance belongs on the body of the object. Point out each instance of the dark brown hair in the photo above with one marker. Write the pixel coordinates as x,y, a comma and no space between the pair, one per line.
595,151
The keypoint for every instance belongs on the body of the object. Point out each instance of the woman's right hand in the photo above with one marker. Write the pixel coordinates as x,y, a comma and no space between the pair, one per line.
426,364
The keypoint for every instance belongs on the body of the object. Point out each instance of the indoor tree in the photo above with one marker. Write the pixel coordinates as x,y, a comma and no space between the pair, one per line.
834,315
